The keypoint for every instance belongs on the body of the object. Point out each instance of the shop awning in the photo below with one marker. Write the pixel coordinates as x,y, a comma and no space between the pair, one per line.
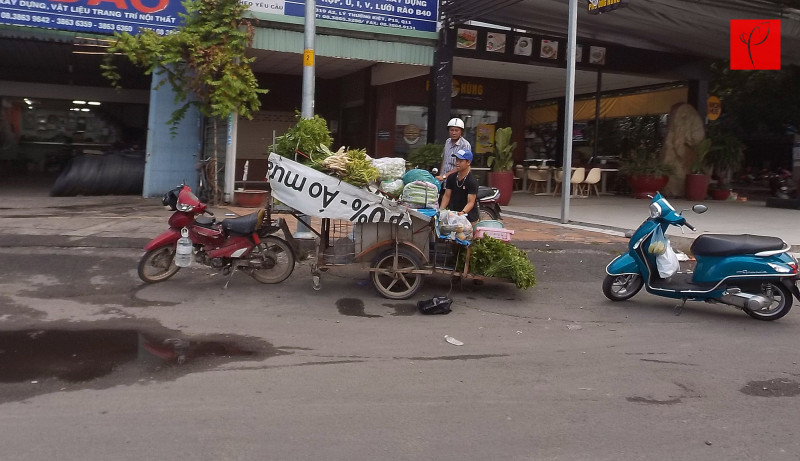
649,103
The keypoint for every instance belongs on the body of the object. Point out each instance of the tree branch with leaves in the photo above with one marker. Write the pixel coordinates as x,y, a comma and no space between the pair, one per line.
203,60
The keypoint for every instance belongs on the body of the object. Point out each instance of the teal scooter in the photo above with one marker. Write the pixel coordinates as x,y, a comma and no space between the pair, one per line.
756,274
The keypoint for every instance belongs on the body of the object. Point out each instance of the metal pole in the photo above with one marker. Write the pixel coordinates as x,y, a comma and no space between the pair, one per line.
307,107
569,110
598,94
309,31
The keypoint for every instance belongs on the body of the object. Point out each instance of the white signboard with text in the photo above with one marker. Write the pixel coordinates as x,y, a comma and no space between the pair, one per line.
316,194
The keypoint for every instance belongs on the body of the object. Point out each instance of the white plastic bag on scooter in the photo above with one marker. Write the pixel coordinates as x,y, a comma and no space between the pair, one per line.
667,262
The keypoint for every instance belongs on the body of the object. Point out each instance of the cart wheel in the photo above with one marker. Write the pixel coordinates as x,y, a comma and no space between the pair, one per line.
397,281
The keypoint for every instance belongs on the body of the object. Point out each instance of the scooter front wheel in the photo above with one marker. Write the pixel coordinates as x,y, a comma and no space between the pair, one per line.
780,302
158,265
622,287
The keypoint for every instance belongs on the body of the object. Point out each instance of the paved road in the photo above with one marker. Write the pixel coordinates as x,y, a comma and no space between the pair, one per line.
552,373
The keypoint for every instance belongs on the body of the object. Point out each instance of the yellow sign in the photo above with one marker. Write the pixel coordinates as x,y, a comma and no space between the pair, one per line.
714,108
308,58
484,139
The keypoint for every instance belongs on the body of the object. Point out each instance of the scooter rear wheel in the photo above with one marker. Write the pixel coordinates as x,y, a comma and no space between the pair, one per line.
487,214
158,265
622,287
781,303
278,260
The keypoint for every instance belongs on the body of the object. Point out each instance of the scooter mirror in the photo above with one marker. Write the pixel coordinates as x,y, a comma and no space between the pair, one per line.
699,208
434,171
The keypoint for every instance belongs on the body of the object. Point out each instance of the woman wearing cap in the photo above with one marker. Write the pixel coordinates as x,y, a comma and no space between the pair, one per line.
461,188
455,143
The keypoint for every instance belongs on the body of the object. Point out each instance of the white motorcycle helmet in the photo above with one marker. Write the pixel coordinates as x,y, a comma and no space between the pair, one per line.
456,122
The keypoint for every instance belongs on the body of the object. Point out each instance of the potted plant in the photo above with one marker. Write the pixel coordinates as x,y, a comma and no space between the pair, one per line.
696,185
725,157
646,171
426,157
501,163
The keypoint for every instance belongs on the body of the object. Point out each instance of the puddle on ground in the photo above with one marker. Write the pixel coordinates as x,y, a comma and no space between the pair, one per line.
353,307
39,361
779,387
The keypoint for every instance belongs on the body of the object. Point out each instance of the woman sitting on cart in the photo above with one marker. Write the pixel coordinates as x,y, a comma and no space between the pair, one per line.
461,188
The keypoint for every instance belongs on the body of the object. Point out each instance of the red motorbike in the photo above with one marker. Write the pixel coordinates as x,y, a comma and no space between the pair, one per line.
243,243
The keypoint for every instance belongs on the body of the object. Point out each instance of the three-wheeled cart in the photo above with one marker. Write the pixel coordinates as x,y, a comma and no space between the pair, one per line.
398,245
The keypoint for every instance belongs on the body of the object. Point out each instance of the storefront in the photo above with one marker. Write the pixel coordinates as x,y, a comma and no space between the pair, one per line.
483,104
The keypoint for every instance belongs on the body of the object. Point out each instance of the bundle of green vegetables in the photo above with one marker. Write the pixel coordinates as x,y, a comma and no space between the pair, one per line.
491,257
353,166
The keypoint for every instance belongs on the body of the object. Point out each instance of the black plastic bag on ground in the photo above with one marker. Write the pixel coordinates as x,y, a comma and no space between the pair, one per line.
435,305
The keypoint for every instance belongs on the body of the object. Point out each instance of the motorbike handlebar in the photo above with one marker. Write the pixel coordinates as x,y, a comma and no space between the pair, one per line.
212,214
686,223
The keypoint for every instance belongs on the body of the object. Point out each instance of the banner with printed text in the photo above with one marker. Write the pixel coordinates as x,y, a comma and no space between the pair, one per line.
109,16
316,194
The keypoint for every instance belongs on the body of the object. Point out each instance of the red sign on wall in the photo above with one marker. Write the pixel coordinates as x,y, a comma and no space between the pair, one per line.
755,44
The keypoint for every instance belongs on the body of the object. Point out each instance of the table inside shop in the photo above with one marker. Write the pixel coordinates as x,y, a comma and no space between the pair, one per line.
603,179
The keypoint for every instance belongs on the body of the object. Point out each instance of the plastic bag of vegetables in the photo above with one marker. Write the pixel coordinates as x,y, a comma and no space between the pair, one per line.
390,168
421,194
392,188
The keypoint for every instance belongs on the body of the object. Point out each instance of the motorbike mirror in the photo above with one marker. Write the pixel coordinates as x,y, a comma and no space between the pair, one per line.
699,208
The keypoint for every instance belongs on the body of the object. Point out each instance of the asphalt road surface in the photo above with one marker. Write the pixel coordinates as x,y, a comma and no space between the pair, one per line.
188,369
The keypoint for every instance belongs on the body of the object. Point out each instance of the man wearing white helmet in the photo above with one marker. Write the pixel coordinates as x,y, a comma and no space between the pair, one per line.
456,143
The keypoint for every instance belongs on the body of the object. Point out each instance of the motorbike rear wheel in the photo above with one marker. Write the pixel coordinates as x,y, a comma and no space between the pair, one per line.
487,214
622,287
781,303
278,259
158,265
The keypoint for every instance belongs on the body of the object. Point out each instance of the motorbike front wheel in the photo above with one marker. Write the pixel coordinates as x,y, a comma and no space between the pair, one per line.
276,260
781,301
622,287
158,265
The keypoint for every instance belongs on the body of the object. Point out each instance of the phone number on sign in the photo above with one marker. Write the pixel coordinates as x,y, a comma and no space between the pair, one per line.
25,17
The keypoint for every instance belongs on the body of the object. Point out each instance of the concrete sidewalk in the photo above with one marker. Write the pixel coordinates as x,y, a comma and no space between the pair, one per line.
28,213
617,214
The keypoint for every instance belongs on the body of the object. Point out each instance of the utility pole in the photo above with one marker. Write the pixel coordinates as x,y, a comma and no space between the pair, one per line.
307,107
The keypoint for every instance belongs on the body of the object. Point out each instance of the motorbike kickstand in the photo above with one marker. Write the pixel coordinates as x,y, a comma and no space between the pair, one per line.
679,308
230,276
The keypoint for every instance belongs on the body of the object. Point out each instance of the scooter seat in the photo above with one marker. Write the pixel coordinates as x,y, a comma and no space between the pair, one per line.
727,245
485,191
242,225
205,221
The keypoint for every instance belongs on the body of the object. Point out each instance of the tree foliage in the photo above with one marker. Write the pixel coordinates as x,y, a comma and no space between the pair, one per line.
757,102
204,57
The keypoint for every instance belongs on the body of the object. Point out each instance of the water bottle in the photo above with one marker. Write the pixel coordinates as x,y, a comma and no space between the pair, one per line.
183,254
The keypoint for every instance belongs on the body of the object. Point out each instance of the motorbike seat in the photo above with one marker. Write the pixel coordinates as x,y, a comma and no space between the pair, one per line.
205,221
485,191
243,225
727,245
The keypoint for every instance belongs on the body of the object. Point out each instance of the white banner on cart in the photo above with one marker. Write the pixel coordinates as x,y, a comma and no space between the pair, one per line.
316,194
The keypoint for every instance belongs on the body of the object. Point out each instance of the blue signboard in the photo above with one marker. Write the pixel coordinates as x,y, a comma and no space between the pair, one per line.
104,16
109,16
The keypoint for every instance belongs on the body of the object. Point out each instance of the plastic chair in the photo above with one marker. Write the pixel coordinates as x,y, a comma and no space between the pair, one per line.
519,172
592,178
578,175
576,178
537,177
558,176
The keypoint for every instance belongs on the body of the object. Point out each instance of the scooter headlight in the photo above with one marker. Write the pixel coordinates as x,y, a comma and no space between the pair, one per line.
185,207
655,210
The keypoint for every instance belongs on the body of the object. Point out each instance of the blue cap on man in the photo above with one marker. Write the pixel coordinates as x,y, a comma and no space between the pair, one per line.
463,155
